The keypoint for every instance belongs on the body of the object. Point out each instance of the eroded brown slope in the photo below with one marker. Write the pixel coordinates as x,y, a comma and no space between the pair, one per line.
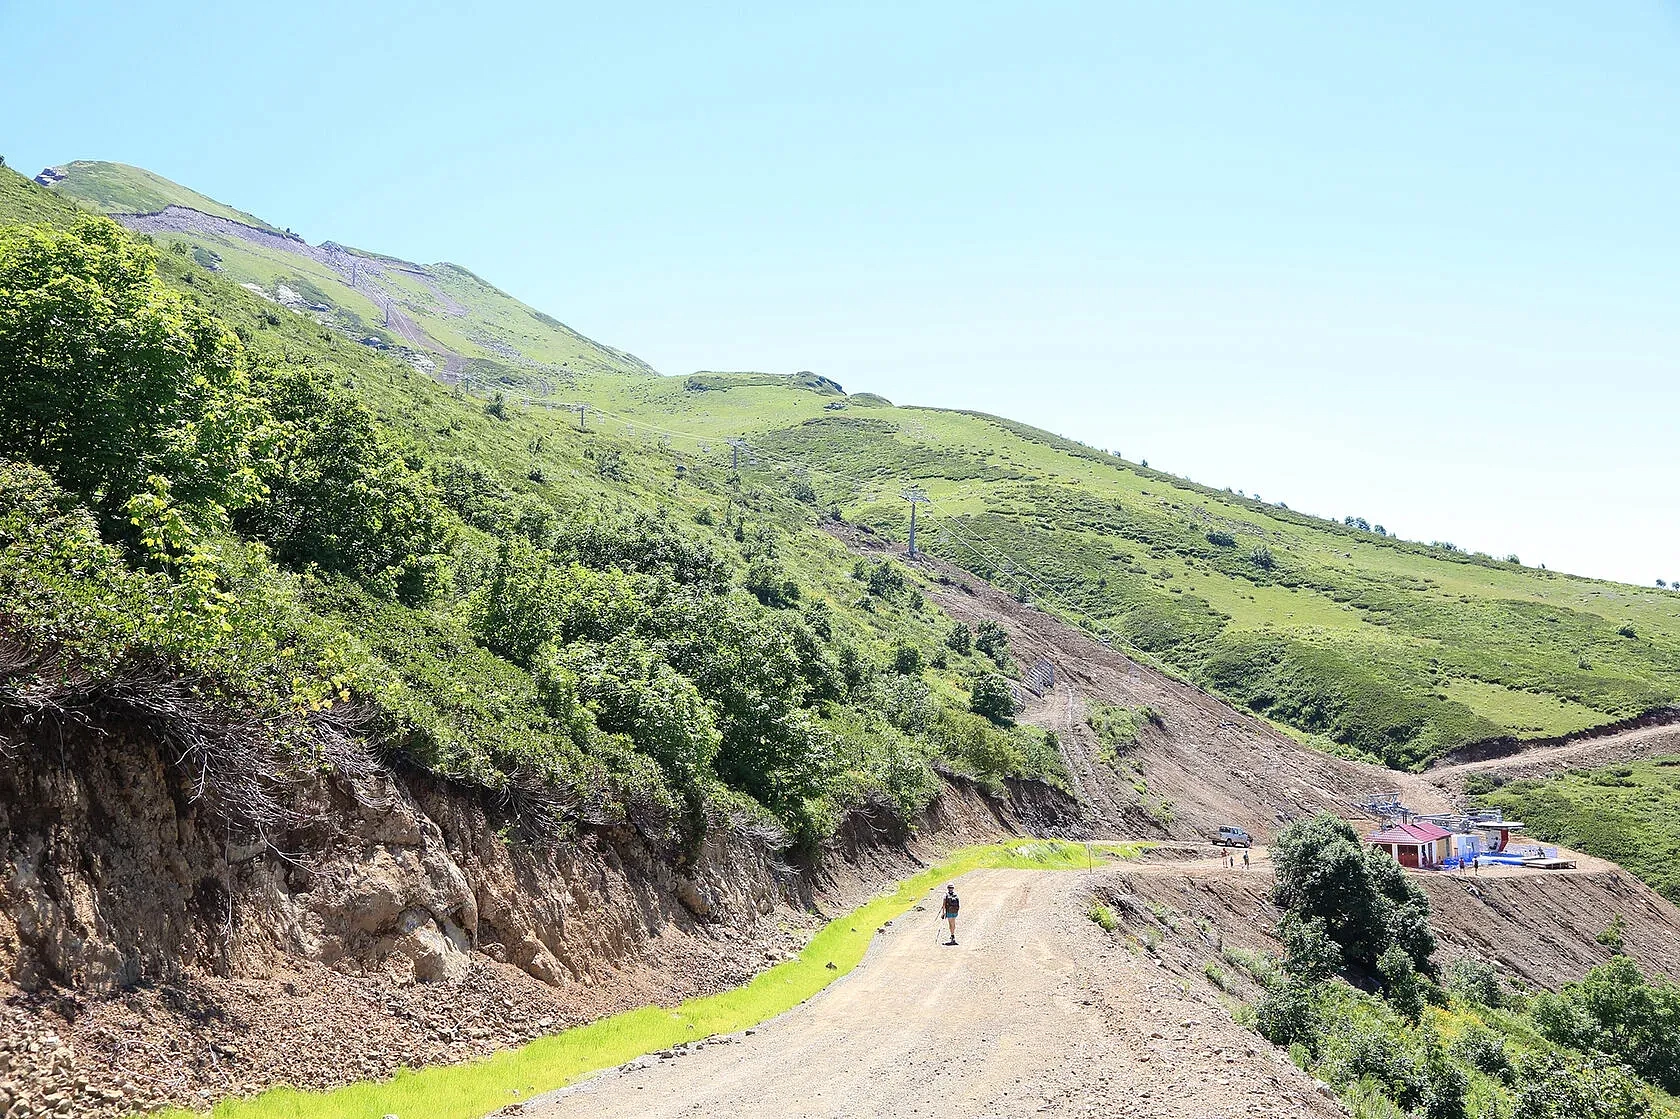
1207,762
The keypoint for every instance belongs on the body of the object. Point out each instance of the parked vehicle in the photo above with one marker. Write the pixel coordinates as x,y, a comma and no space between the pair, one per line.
1232,836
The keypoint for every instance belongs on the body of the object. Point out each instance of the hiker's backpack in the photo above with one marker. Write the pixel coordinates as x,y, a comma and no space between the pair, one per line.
951,904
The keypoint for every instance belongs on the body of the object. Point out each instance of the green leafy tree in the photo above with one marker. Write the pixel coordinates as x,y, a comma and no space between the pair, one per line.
991,696
1400,982
1364,900
1289,1015
766,581
1615,1010
109,379
960,640
1441,1086
1310,954
993,640
886,580
908,659
517,611
630,690
1475,980
1484,1050
1550,1087
344,501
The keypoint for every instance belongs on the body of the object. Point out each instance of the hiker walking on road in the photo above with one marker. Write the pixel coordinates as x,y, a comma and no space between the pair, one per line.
1245,858
948,911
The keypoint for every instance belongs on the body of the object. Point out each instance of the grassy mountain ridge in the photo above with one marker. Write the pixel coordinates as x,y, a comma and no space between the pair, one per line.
1379,646
1397,649
117,188
444,318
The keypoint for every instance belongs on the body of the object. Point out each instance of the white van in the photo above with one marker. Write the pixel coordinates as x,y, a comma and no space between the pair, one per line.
1232,836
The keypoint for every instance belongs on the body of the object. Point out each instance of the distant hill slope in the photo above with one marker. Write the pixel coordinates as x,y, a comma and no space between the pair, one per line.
1366,643
441,317
1384,647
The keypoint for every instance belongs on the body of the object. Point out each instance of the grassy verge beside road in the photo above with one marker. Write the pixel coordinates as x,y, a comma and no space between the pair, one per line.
473,1089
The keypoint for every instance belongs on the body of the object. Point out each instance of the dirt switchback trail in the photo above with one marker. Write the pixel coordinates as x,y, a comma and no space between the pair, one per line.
1037,1011
1201,763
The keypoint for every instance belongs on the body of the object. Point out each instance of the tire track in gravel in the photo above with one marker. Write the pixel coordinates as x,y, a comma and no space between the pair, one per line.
1035,1012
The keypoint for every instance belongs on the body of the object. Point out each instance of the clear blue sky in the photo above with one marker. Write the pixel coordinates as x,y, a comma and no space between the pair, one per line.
1417,262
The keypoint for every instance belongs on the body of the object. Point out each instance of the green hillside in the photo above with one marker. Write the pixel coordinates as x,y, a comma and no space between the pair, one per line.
1628,813
251,523
1394,649
441,318
1362,642
117,188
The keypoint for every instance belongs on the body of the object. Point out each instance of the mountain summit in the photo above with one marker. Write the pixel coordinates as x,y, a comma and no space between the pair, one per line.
441,317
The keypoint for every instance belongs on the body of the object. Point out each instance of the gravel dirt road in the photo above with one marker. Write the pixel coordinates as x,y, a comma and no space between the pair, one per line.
1037,1011
1546,761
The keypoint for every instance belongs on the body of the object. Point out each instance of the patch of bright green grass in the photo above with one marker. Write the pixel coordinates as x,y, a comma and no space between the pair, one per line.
1629,813
1527,714
467,1091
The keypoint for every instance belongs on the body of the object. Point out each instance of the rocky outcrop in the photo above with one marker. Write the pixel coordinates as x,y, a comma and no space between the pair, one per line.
114,875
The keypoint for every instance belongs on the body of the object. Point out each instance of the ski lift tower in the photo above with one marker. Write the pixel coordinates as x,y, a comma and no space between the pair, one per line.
915,495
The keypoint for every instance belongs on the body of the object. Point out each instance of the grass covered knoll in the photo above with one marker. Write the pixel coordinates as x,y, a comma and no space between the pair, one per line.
119,188
1628,813
471,1090
500,341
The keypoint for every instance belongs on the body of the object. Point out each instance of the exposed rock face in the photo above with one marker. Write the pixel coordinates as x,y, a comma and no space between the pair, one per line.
113,876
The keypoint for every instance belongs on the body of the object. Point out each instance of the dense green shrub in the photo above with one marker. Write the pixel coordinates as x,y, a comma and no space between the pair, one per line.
908,659
1310,955
1551,1087
340,499
1484,1051
108,378
991,695
770,584
960,640
650,543
629,690
1289,1015
993,640
1617,1011
1400,981
1475,980
885,580
1365,902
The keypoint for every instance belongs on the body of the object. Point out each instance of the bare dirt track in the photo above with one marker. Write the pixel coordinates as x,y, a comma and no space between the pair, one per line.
1201,764
1591,751
1036,1011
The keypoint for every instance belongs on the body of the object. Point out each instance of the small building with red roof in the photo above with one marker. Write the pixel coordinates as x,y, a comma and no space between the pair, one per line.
1415,845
